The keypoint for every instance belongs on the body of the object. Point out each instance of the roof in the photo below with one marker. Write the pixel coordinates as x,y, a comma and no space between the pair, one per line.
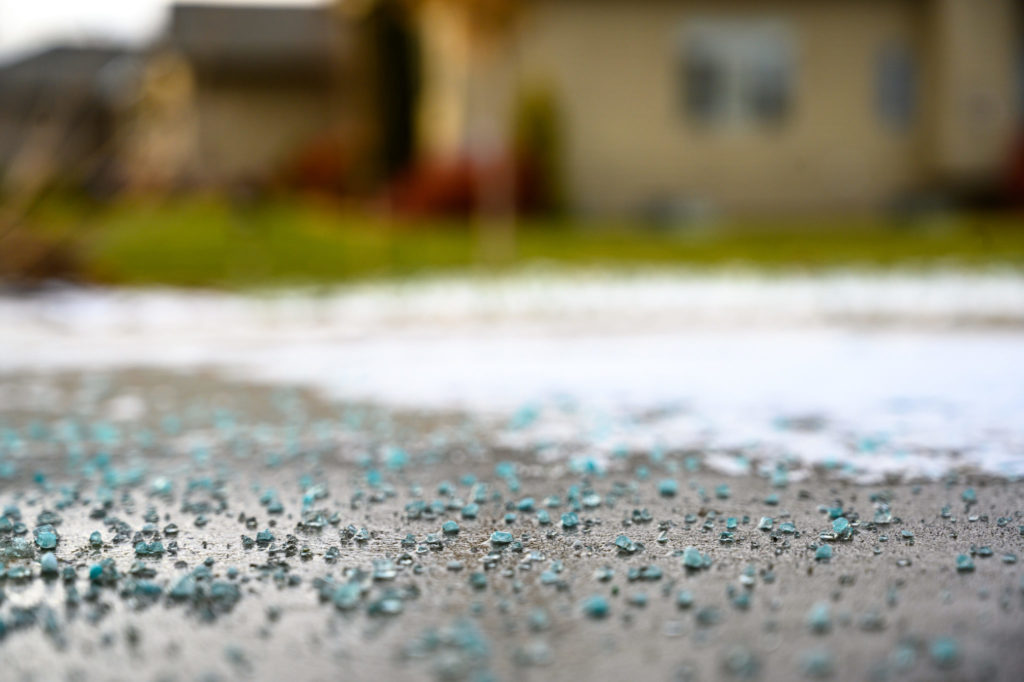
60,66
239,38
65,70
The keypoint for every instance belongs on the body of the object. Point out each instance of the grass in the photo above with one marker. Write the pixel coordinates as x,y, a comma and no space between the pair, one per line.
208,242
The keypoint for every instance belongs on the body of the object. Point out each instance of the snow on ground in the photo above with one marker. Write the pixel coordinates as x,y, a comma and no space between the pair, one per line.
870,373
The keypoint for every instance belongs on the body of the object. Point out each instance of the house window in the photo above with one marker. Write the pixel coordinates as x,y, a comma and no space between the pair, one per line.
896,86
737,73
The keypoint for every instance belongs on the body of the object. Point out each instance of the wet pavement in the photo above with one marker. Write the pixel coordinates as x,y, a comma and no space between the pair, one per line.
314,540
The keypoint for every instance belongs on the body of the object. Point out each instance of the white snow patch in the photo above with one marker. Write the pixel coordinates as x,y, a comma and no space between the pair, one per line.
906,372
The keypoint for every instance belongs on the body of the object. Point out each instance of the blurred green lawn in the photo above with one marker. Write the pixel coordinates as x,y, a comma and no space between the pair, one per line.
210,242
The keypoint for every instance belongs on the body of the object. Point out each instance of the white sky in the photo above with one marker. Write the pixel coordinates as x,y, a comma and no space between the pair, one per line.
26,25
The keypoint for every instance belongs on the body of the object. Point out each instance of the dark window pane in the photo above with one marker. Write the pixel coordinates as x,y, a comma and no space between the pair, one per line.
704,79
896,86
767,90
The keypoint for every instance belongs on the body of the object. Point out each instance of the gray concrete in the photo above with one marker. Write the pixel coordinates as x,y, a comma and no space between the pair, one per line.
889,600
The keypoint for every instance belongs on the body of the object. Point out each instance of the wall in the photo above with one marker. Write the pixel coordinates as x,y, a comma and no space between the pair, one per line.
614,65
245,131
975,49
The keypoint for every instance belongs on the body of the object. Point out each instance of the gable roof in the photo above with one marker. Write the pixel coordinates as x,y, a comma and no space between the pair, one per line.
66,71
61,65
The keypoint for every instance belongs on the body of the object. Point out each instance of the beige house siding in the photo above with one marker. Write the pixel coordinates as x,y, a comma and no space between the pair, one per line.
243,131
975,52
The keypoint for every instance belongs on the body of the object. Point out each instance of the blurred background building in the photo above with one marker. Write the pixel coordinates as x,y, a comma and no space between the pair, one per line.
61,111
663,108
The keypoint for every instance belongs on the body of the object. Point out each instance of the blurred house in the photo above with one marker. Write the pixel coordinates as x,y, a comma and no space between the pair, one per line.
59,110
312,97
676,106
264,81
230,96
